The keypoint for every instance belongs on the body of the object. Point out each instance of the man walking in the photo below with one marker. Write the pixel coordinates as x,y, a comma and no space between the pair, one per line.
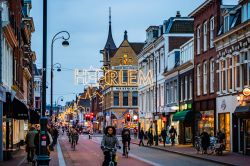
173,134
164,136
30,147
141,136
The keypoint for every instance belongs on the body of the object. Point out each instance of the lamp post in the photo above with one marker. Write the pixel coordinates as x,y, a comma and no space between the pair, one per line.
65,43
156,113
59,98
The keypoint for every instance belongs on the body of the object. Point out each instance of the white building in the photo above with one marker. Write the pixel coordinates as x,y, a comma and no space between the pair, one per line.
160,41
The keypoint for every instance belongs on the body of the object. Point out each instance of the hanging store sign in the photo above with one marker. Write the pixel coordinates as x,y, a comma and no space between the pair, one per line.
246,92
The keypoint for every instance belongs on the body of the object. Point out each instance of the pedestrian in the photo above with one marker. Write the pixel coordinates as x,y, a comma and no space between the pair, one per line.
126,138
150,136
220,136
164,136
30,144
55,135
135,133
205,141
173,134
141,136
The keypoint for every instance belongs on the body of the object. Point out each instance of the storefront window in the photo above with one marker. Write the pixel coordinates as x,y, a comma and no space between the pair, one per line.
207,122
224,127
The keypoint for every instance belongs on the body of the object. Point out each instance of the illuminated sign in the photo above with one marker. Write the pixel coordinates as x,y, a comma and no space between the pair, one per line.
246,92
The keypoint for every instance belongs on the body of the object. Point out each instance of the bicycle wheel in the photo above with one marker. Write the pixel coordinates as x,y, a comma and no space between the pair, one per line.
126,152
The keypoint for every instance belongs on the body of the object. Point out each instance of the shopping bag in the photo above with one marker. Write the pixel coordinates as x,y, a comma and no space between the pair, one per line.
168,140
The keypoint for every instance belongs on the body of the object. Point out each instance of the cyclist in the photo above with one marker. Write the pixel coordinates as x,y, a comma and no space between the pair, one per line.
74,136
110,141
125,138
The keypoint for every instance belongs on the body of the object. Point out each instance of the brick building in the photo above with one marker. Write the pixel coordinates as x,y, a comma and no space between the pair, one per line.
206,27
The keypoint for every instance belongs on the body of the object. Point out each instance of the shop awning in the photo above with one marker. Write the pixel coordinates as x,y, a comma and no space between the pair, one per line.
34,117
20,110
186,115
242,111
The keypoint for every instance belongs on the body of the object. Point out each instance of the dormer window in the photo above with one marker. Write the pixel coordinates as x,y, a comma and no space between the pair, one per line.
245,12
226,23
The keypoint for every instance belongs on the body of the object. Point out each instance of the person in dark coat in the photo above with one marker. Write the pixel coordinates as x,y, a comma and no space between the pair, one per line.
164,136
173,134
150,136
205,141
141,136
126,138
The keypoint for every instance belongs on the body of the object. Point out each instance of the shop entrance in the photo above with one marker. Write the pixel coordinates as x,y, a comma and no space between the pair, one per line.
224,127
244,136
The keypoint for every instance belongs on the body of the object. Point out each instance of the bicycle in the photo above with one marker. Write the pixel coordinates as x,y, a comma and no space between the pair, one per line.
111,151
197,144
126,149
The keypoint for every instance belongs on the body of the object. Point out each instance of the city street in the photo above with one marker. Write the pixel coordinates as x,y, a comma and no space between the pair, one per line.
89,153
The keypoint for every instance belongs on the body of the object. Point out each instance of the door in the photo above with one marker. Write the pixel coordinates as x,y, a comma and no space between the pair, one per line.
247,137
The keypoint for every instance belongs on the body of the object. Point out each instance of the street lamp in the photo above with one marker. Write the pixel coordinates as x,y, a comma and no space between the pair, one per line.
156,113
61,98
65,43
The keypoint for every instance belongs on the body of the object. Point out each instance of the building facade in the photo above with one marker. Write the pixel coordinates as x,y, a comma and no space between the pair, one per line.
206,27
233,55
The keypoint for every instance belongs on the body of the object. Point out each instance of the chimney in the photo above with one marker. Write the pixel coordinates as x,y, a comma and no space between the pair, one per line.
125,35
178,14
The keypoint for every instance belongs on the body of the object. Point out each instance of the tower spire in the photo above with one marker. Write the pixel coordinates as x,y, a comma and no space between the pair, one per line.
110,44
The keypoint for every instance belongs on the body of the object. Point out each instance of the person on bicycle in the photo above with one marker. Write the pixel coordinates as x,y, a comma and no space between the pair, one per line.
125,139
74,136
110,141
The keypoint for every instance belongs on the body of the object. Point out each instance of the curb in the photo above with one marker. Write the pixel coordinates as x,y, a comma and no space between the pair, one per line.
188,155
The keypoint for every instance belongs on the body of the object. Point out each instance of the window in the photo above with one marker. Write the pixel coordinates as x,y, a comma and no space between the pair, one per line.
212,76
237,71
244,69
175,91
135,98
198,40
199,80
116,98
248,10
182,89
159,63
226,24
190,88
168,93
223,77
125,98
125,76
205,78
229,73
171,92
211,32
244,13
37,103
15,69
205,36
186,87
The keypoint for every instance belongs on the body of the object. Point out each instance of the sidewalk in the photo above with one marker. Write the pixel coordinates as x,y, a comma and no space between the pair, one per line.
19,159
187,150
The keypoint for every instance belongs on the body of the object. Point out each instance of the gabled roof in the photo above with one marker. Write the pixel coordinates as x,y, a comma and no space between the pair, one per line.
202,6
137,47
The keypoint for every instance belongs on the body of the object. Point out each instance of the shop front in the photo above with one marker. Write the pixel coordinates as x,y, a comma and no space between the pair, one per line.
205,121
183,122
224,121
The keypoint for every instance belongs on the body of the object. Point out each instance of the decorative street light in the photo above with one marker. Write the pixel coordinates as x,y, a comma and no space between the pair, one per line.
61,98
65,43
